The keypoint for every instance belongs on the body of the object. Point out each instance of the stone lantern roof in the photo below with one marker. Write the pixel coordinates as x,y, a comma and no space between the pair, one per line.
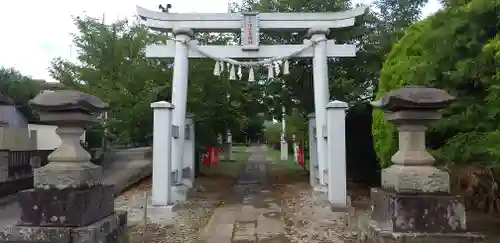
413,97
68,100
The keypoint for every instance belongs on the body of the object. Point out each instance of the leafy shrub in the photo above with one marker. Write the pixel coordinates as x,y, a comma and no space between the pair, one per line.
458,50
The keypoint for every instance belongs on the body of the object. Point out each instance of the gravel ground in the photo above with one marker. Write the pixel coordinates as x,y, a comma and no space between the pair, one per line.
192,216
305,226
303,223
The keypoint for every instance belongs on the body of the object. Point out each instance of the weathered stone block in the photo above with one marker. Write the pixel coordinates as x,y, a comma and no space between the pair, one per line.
26,234
412,179
376,234
111,229
67,207
413,213
68,175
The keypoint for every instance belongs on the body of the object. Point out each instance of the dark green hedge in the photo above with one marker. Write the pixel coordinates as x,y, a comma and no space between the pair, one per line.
362,164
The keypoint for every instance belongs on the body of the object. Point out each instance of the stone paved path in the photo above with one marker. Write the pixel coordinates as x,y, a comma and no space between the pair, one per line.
254,215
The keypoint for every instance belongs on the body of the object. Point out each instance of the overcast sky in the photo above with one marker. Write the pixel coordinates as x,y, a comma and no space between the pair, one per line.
34,31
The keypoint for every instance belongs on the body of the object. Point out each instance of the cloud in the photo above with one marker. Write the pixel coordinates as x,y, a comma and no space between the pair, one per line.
35,32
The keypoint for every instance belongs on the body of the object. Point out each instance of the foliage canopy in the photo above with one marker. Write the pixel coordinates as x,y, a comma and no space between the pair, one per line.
457,49
111,65
17,87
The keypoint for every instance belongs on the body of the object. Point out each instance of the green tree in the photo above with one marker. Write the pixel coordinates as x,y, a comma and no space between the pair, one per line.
351,79
394,16
296,124
17,87
272,133
113,67
457,49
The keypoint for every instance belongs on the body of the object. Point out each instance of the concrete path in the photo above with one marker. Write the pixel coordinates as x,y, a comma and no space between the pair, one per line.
254,214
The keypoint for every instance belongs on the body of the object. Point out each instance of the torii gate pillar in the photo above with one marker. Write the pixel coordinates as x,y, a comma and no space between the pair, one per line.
321,96
179,100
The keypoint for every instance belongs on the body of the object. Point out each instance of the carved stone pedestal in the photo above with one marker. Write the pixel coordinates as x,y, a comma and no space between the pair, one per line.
430,213
111,229
69,207
417,218
376,234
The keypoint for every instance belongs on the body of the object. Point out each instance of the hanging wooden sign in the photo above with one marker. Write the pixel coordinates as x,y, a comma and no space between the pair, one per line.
250,31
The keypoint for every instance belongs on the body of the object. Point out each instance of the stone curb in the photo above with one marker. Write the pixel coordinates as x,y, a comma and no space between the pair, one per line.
131,176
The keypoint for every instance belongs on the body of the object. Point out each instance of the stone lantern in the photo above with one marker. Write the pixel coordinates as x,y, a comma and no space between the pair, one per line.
414,203
70,165
68,203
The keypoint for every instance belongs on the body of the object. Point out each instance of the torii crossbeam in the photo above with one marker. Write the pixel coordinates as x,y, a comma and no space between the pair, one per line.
265,51
231,22
250,24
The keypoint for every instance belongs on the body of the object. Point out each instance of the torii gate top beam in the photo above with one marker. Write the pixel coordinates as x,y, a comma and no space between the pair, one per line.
232,22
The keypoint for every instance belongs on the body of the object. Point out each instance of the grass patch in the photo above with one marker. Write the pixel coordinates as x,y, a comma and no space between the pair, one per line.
240,149
239,154
277,163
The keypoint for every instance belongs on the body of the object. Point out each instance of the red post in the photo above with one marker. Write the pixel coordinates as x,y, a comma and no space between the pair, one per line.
207,157
300,155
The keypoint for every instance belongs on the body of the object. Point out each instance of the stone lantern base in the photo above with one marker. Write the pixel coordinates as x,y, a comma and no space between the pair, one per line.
417,218
111,229
69,207
82,214
376,234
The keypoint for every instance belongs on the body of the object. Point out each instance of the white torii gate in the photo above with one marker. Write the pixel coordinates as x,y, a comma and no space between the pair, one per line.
250,24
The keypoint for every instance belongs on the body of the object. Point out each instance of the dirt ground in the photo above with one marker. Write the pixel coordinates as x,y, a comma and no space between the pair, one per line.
291,188
302,222
192,216
295,192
